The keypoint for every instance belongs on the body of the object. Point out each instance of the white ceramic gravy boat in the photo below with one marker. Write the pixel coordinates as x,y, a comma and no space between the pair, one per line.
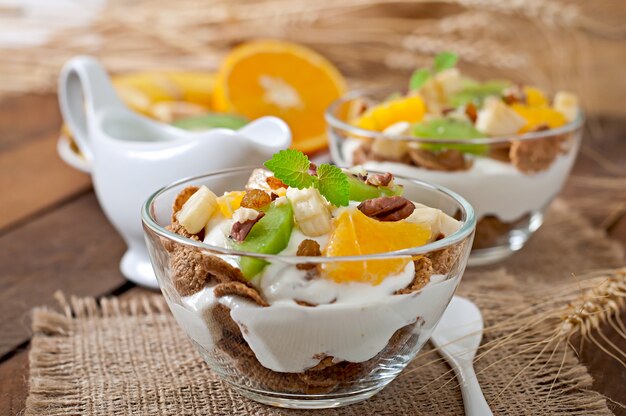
131,156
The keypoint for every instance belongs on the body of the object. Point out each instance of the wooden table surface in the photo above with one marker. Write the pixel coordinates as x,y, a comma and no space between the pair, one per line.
53,235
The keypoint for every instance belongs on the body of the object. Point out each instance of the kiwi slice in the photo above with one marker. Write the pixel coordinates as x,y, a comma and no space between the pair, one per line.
450,129
270,235
361,191
212,121
476,92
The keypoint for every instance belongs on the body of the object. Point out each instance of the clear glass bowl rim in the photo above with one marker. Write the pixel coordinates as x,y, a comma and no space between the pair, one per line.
467,213
334,122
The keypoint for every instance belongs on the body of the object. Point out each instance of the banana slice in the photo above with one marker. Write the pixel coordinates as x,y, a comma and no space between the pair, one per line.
449,82
498,119
437,220
566,103
390,148
310,211
197,211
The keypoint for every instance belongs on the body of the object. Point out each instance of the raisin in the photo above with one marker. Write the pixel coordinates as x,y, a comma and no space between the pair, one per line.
255,199
308,248
471,112
275,183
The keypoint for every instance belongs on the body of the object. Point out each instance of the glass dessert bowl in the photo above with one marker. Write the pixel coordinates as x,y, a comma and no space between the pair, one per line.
506,148
299,303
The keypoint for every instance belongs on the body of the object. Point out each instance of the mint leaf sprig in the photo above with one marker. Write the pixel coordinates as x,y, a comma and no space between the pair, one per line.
442,61
292,167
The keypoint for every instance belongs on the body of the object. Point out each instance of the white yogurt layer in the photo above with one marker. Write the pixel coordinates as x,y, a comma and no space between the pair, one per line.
353,321
490,186
288,337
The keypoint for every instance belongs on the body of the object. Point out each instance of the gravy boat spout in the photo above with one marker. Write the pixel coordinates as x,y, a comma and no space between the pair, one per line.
130,156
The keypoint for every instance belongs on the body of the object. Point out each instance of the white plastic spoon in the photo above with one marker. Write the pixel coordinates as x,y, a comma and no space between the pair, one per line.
457,337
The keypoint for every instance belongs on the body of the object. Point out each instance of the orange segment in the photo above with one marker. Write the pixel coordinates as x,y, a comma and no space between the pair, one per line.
356,234
380,117
281,79
538,116
230,202
535,97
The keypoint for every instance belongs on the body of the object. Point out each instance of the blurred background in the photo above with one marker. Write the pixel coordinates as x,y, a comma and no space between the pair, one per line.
555,44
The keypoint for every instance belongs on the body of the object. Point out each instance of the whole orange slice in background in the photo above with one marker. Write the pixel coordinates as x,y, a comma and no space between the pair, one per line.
355,234
282,79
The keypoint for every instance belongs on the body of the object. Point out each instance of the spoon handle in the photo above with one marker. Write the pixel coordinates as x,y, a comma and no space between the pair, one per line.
473,398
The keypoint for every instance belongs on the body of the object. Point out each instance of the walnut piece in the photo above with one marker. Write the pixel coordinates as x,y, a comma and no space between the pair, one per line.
380,179
387,208
240,230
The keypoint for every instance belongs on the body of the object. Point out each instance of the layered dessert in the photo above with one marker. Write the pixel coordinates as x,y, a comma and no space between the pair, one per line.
335,297
506,147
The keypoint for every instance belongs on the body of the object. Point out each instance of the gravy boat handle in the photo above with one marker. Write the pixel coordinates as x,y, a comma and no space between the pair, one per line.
84,89
267,135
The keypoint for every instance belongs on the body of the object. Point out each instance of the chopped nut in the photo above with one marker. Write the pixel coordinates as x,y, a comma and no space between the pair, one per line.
258,180
387,208
240,230
380,179
255,199
312,169
514,94
308,248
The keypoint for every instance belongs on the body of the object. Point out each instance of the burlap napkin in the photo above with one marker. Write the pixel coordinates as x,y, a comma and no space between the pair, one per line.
129,356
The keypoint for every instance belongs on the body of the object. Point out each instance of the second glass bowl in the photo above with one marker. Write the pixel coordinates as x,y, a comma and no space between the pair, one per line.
510,182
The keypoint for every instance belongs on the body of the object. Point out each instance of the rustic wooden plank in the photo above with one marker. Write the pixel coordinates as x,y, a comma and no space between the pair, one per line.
27,116
14,383
618,231
73,249
33,177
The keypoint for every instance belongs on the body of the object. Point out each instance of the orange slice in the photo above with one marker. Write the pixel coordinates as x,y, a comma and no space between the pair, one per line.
538,116
356,234
142,90
281,79
380,117
535,97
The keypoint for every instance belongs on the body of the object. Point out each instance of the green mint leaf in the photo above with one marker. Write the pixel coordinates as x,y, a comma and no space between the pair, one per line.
291,167
419,78
445,60
333,184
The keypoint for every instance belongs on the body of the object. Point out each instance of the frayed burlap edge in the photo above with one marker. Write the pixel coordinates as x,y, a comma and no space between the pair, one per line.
53,389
